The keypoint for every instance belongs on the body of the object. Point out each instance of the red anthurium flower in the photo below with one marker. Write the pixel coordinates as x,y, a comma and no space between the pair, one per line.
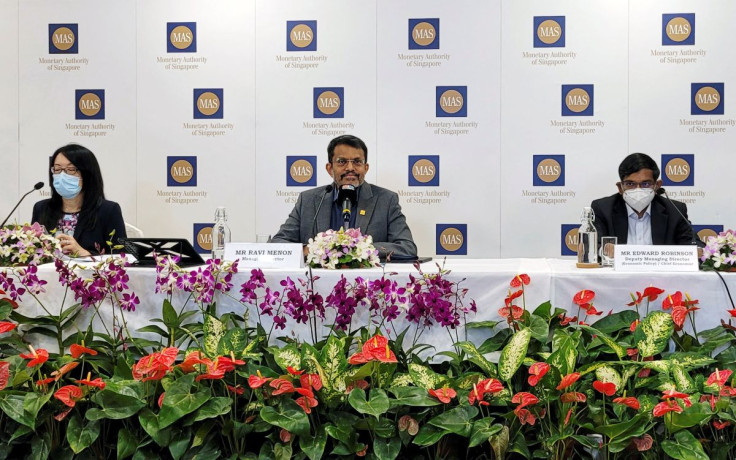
161,399
238,390
476,395
607,388
374,349
44,383
512,296
490,386
632,352
732,313
37,357
689,302
285,436
525,416
257,381
634,324
593,312
651,293
65,369
573,396
536,372
666,406
282,386
634,300
4,374
524,399
156,365
567,417
306,403
519,280
669,394
728,391
293,371
311,381
672,300
77,350
193,359
69,394
710,399
629,401
358,358
7,326
97,383
719,425
565,320
644,443
444,394
62,415
512,312
583,297
362,384
719,377
568,380
304,391
227,364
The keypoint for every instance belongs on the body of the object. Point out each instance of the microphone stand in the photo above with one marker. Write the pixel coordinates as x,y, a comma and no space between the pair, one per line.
35,187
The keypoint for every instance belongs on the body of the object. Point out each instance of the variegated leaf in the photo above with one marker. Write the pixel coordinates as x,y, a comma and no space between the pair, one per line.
287,356
653,333
213,330
605,338
513,354
401,380
610,375
478,359
682,379
424,377
334,364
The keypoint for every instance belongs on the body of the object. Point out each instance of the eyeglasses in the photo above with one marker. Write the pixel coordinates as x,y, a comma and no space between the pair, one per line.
630,184
72,170
343,162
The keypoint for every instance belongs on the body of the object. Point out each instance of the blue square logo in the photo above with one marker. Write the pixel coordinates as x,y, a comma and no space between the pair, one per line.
452,239
424,34
300,171
181,171
89,104
707,99
329,102
549,31
209,103
301,35
577,100
569,239
202,238
549,170
181,37
424,170
706,231
63,39
678,170
678,29
452,101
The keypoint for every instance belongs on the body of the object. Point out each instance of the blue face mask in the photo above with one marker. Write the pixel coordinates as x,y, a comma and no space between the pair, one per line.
67,185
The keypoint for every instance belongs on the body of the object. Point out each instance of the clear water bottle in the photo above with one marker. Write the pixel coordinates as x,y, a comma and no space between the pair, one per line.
587,238
220,233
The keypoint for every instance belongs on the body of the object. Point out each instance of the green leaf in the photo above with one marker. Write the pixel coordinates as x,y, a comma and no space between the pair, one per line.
544,310
565,354
171,319
178,402
287,356
693,415
180,443
213,330
616,321
539,328
605,338
117,401
386,449
127,443
291,417
500,442
81,436
653,333
375,405
481,324
478,359
214,407
615,430
482,431
282,451
149,423
424,377
314,446
458,420
33,402
513,354
412,396
428,435
12,406
684,447
234,341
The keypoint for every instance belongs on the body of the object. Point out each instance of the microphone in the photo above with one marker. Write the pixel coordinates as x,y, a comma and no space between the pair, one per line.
347,196
38,186
327,191
693,238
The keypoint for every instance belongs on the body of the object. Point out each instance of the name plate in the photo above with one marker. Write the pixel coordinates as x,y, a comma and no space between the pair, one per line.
645,258
265,255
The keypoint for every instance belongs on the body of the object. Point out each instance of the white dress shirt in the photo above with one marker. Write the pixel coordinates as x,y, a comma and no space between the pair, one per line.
640,228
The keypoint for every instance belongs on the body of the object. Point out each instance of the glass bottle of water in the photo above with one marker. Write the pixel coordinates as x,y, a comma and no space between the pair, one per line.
220,233
587,238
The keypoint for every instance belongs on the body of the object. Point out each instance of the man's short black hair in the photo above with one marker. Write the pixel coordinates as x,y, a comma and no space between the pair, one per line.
349,140
635,163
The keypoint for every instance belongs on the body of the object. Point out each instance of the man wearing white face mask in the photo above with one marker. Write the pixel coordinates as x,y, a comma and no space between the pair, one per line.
637,214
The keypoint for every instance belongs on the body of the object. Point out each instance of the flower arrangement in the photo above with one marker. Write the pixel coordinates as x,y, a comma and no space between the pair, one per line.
719,252
26,245
342,249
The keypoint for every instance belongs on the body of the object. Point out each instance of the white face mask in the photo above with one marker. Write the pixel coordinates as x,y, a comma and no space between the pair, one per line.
639,198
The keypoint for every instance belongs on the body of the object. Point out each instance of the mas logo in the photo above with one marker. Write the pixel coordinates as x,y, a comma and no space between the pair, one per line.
89,104
569,239
706,231
706,99
181,37
424,34
301,35
678,29
452,239
329,102
203,238
181,171
452,101
549,170
577,100
208,103
678,170
549,31
300,171
424,170
63,39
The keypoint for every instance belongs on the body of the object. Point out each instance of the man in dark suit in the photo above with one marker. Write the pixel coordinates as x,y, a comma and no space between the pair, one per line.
376,213
637,214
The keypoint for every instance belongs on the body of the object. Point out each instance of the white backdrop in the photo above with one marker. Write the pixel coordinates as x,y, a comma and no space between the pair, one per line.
502,171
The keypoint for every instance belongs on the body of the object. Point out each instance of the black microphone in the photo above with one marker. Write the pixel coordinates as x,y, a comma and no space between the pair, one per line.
348,196
38,186
327,191
693,236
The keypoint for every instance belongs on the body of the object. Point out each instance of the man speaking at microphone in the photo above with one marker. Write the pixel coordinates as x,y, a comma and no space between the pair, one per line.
372,209
638,213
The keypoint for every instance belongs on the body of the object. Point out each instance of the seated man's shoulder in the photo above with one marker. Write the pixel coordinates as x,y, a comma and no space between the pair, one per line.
607,200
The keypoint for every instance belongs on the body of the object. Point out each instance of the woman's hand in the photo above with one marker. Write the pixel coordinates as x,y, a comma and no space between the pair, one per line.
69,246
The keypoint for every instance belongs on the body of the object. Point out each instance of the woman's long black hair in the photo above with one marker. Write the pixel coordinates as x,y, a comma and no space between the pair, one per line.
92,187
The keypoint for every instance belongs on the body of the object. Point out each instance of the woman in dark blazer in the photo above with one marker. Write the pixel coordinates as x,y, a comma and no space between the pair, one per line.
77,209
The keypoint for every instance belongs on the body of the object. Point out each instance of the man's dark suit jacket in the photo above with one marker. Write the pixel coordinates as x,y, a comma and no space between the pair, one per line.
378,215
109,218
668,226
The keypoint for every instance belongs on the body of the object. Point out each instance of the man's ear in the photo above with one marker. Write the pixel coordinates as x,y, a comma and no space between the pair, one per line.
620,187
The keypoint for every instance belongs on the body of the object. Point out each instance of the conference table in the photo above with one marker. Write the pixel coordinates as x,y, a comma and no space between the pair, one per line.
487,282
